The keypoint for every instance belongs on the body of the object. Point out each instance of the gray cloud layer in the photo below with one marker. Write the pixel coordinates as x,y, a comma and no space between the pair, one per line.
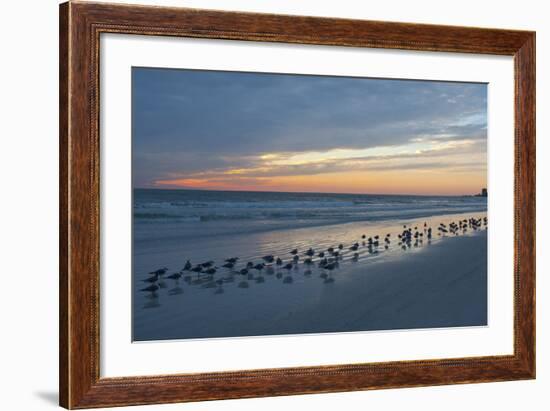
186,122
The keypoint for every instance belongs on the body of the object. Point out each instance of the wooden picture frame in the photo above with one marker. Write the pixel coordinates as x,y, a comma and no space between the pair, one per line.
80,27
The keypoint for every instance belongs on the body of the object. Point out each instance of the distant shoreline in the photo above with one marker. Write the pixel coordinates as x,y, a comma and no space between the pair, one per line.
302,192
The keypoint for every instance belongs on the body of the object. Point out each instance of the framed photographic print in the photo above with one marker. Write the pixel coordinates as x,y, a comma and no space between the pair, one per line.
258,205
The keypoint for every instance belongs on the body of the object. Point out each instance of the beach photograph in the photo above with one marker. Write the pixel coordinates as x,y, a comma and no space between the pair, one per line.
281,204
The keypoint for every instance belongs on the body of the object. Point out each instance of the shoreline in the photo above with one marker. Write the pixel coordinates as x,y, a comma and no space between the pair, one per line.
391,290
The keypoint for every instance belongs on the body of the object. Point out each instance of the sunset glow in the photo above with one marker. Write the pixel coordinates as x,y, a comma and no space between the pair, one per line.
338,135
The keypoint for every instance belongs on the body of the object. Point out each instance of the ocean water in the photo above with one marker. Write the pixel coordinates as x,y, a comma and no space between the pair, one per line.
173,226
196,213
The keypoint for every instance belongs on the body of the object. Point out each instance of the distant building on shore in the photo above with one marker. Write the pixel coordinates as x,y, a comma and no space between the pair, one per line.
483,193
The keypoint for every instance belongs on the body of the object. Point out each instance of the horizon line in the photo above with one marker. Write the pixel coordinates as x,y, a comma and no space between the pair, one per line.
308,192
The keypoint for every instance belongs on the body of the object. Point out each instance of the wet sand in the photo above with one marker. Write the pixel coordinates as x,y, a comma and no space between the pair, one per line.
440,283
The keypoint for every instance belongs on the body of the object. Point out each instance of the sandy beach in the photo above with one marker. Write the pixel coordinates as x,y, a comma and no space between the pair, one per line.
437,283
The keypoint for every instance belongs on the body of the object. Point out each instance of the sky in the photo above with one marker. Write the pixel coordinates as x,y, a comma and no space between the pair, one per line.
214,130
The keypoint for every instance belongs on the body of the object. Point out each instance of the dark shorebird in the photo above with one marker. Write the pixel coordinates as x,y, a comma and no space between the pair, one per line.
229,265
259,266
160,271
244,271
279,261
232,260
330,250
321,254
250,264
268,258
294,252
152,288
197,269
295,258
211,271
363,236
152,279
310,252
207,264
354,247
288,266
187,266
331,266
340,246
175,276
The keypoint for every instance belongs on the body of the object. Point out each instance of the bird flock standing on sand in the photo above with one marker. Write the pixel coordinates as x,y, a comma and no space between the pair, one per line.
327,260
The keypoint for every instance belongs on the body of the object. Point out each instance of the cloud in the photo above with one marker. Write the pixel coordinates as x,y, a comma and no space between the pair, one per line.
187,122
446,156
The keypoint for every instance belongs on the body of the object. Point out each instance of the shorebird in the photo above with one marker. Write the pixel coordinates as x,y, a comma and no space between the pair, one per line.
211,271
259,266
244,271
279,261
187,266
331,266
310,252
207,264
340,246
160,271
232,260
152,279
268,258
288,266
308,261
229,265
321,254
294,252
175,276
